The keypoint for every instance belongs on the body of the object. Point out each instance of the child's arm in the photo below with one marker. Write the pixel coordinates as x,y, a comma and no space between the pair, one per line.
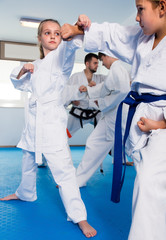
146,125
21,76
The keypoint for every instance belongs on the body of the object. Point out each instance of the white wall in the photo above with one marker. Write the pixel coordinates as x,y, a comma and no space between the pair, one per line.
12,123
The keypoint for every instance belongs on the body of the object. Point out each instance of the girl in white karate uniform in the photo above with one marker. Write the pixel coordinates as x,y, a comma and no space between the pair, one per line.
45,130
144,47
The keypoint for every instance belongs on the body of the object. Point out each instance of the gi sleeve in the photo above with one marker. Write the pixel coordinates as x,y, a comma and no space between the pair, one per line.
71,93
69,49
113,40
115,88
22,84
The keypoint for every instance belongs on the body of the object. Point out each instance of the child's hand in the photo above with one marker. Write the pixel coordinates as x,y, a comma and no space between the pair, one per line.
142,124
67,32
92,84
146,124
83,89
83,21
28,67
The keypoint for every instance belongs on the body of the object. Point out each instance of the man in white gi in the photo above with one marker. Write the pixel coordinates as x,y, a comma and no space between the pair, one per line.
108,95
85,111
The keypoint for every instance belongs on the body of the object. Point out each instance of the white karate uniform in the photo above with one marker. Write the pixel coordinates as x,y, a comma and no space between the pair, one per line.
71,93
79,79
109,94
147,149
45,130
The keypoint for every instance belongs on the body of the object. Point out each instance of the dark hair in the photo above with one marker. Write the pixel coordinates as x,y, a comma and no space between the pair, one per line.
100,55
155,3
40,27
89,57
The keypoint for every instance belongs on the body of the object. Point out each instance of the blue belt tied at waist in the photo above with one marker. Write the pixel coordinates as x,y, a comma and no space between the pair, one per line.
132,99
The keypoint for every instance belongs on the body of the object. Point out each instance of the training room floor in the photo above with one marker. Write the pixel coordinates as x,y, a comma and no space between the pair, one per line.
45,219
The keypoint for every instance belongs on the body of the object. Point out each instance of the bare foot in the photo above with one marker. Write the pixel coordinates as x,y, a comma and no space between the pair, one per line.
87,230
10,197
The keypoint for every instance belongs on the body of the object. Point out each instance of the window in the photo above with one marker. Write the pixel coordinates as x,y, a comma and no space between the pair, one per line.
9,96
78,67
13,54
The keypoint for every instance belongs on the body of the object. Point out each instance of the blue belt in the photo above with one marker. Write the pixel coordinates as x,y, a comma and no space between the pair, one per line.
132,99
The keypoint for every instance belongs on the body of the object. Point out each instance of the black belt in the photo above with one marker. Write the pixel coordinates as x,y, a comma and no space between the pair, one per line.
86,114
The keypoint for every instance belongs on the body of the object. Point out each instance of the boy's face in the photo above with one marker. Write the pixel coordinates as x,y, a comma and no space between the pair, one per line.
50,37
147,16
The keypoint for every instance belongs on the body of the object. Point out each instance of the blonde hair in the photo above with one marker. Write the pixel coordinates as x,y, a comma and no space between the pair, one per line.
39,32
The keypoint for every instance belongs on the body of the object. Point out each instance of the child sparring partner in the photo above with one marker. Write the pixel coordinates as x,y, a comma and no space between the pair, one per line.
144,47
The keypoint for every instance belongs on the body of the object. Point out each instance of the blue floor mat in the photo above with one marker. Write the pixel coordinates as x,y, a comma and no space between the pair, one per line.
45,219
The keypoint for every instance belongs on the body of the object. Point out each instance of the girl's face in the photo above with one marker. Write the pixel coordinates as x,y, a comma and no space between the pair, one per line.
148,16
50,36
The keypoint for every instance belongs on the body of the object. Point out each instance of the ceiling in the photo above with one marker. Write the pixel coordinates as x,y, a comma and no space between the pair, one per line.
121,11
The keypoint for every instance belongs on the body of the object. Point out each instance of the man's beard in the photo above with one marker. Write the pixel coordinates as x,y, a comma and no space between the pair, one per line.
92,70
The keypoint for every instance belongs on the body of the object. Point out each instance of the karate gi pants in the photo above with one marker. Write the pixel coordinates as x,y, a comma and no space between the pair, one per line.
97,148
63,172
149,196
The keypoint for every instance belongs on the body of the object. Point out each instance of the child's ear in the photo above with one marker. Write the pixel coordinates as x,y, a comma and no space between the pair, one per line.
162,7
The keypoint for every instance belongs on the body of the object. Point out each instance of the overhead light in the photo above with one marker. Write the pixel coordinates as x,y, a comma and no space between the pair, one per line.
30,22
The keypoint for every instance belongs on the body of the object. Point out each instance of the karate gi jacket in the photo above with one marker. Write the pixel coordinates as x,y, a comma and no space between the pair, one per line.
148,71
45,129
109,94
81,79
